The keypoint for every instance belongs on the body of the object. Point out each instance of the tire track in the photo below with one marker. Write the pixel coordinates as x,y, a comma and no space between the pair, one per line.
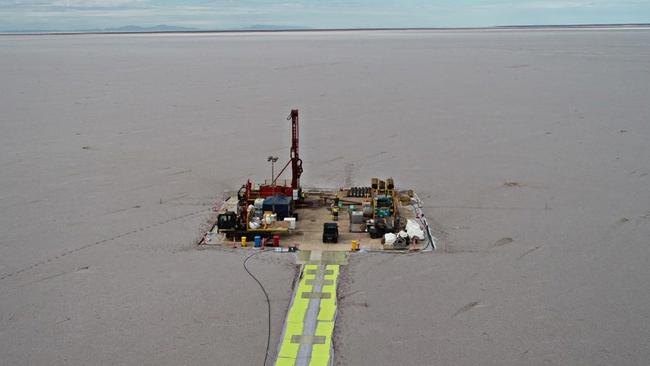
103,241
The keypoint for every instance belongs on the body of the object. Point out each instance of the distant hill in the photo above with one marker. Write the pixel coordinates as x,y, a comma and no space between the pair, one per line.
123,29
155,28
274,27
595,25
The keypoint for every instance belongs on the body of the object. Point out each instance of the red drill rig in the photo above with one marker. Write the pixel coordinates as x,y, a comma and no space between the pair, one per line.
272,189
239,223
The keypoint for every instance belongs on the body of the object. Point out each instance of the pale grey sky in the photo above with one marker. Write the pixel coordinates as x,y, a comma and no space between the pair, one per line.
231,14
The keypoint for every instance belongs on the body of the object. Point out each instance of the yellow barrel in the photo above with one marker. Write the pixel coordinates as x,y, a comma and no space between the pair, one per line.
355,245
243,241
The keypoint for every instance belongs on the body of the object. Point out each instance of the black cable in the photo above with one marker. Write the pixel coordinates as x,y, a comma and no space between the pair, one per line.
268,303
426,227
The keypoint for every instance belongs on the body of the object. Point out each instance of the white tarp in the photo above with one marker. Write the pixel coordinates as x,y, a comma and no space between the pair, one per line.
389,239
414,230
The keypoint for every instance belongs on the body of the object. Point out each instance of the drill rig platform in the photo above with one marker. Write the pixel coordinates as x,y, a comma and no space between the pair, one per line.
374,217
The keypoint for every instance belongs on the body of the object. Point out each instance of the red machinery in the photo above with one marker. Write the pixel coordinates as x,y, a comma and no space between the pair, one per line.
236,223
267,190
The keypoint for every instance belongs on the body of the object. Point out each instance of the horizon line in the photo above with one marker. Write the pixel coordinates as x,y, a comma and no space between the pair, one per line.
294,30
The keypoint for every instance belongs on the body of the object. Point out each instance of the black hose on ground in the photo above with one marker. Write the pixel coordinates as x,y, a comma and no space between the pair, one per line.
268,304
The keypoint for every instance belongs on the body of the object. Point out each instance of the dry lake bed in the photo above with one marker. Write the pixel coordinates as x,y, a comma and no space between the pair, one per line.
529,148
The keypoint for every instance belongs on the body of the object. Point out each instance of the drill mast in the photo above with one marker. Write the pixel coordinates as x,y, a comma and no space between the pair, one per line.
296,162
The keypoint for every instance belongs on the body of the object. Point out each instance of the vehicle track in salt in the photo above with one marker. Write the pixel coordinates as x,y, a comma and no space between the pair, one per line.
103,241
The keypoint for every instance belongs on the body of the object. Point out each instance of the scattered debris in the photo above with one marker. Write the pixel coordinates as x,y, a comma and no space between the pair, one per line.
466,308
67,318
503,241
529,251
460,227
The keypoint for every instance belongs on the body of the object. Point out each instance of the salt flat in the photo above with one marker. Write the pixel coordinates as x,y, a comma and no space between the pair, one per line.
529,148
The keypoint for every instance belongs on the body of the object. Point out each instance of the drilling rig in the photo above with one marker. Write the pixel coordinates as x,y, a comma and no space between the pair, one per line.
257,205
379,215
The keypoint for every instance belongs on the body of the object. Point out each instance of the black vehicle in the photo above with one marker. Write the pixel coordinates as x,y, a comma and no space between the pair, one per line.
330,232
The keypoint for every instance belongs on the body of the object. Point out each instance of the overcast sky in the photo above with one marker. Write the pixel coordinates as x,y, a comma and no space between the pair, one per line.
234,14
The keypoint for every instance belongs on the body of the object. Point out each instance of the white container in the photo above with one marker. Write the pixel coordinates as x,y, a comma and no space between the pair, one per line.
259,202
291,221
389,239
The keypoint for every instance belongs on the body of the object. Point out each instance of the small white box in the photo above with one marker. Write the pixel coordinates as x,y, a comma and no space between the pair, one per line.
292,222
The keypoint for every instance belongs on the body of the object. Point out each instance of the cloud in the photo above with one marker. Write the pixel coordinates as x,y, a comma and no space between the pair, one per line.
76,3
230,14
97,3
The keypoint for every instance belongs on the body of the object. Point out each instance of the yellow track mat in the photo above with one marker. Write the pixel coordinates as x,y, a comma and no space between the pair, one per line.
317,287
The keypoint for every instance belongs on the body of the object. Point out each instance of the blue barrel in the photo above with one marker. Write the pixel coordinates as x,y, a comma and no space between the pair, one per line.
258,241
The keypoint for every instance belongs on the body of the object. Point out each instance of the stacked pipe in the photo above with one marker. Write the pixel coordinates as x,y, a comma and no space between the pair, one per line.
359,192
